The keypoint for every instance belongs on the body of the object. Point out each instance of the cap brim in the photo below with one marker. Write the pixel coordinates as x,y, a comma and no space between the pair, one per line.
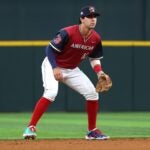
93,14
96,14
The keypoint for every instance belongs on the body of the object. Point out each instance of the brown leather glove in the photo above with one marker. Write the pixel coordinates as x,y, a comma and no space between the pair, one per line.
104,83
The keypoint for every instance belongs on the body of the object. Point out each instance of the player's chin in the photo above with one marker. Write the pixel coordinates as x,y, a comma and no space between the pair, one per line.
92,26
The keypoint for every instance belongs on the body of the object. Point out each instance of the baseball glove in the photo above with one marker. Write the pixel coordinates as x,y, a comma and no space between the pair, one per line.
104,83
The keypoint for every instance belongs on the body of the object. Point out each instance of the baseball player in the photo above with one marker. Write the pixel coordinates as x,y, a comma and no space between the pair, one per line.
67,49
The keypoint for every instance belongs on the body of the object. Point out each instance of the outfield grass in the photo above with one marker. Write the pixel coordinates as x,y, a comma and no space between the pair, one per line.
74,125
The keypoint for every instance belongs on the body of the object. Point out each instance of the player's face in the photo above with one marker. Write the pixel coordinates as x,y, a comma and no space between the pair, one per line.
90,22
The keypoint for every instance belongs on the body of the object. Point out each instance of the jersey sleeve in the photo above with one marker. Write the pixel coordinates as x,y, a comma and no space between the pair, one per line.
97,52
60,40
51,56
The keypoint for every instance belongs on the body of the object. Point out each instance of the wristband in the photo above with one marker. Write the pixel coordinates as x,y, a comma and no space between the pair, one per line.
97,68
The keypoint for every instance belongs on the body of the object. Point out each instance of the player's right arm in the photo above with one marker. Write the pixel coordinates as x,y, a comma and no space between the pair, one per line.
51,57
56,46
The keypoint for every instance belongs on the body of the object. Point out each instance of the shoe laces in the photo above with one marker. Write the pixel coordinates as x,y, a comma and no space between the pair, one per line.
98,131
95,132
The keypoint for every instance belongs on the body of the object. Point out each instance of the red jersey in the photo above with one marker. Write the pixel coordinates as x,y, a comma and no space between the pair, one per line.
71,48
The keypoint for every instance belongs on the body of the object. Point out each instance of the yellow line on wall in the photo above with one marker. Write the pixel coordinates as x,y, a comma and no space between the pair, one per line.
25,43
126,43
38,43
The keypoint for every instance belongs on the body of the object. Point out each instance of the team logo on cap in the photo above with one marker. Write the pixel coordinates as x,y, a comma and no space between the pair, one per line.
91,9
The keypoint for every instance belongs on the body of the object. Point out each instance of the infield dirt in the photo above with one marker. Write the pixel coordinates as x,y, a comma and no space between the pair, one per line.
76,144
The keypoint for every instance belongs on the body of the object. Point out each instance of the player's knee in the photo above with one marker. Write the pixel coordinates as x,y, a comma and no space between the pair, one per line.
50,94
92,95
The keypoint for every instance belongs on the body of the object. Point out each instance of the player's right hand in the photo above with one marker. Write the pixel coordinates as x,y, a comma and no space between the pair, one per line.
58,74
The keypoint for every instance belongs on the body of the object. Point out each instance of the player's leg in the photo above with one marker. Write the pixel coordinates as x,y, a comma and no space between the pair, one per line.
50,92
78,81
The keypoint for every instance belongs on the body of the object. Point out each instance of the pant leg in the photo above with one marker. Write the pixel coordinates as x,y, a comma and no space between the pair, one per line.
78,81
49,83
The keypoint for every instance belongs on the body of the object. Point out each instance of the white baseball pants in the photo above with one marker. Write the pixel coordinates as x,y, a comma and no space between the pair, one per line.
74,78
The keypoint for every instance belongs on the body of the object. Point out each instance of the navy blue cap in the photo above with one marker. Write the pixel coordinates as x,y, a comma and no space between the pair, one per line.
88,10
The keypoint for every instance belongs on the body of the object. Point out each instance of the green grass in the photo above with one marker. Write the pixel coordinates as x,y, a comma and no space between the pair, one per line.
74,125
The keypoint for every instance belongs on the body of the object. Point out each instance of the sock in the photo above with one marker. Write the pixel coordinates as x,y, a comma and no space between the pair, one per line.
39,110
92,109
